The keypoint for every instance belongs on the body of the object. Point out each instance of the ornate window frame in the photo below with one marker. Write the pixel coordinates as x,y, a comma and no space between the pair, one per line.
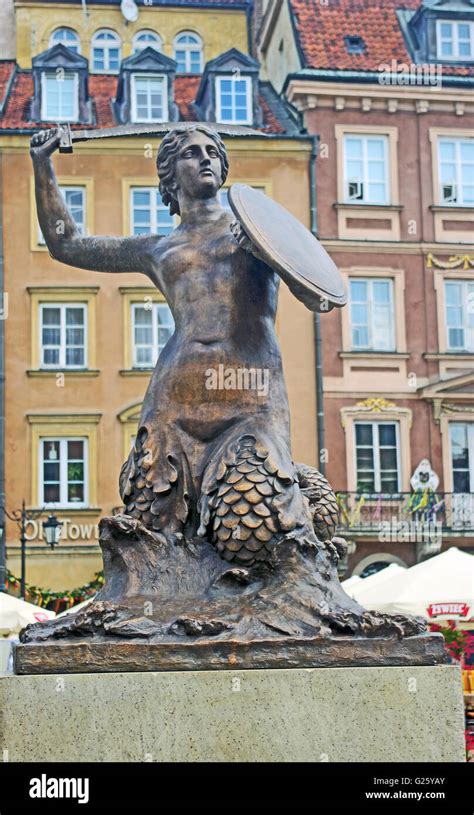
348,214
63,294
440,277
377,410
65,426
448,213
377,272
446,418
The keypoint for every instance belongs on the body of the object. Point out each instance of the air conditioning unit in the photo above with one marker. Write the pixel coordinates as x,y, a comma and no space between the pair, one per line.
355,190
449,193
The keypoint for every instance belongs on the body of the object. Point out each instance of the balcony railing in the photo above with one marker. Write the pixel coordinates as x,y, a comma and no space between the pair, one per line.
418,515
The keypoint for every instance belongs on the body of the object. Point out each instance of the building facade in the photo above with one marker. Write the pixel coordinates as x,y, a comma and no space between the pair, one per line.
388,89
80,346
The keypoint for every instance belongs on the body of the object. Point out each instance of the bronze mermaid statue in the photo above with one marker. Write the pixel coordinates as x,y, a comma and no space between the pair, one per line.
219,527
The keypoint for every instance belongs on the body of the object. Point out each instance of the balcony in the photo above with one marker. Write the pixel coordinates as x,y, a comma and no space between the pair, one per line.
406,516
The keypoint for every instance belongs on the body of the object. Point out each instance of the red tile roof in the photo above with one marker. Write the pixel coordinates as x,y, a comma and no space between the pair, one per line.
185,90
271,123
321,30
102,91
17,105
7,67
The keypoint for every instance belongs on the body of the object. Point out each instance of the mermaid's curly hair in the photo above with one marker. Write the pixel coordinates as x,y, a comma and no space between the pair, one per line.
166,159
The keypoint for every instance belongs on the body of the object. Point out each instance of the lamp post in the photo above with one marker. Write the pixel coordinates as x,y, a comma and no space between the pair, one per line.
51,527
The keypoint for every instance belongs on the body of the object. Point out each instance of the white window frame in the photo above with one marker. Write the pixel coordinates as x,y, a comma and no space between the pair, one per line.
371,347
188,47
470,445
248,97
164,81
63,483
156,351
458,200
153,219
376,449
53,41
365,138
156,42
64,189
455,56
57,118
62,347
107,45
468,347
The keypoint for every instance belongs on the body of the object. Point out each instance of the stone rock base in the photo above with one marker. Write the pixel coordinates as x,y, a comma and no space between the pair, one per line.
100,654
397,714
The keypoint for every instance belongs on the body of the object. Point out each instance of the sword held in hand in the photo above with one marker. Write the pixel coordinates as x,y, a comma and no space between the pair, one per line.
70,136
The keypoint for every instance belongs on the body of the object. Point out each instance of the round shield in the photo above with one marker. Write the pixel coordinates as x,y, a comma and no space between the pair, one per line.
289,248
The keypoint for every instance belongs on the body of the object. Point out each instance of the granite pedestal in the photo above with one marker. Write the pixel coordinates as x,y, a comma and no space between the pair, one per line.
371,714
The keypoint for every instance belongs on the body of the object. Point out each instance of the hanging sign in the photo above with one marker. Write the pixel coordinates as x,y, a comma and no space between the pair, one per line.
449,610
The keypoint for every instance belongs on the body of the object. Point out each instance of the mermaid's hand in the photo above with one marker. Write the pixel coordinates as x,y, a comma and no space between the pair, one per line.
243,240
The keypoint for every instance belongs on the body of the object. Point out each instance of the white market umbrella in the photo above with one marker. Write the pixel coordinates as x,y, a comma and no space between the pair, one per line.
349,584
440,588
16,613
363,585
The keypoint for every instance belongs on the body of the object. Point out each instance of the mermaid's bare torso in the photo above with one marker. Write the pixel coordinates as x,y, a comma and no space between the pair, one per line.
224,303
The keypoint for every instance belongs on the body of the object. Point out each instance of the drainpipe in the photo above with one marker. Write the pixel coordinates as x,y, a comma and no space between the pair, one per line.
316,315
4,306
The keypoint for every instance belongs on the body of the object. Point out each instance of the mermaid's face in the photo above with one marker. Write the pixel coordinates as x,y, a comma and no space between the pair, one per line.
198,169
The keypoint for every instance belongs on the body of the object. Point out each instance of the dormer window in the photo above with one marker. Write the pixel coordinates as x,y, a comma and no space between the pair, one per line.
106,47
233,100
188,53
67,37
60,86
145,88
455,39
149,98
145,38
59,96
229,92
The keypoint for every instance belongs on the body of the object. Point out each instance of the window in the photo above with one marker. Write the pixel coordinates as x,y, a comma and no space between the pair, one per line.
459,298
456,171
354,44
106,47
67,37
372,315
462,456
234,100
152,326
63,468
148,213
455,40
377,457
63,335
76,201
188,53
366,179
144,39
149,98
59,97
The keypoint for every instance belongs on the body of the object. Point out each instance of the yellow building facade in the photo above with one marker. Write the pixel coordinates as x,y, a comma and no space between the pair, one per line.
89,413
